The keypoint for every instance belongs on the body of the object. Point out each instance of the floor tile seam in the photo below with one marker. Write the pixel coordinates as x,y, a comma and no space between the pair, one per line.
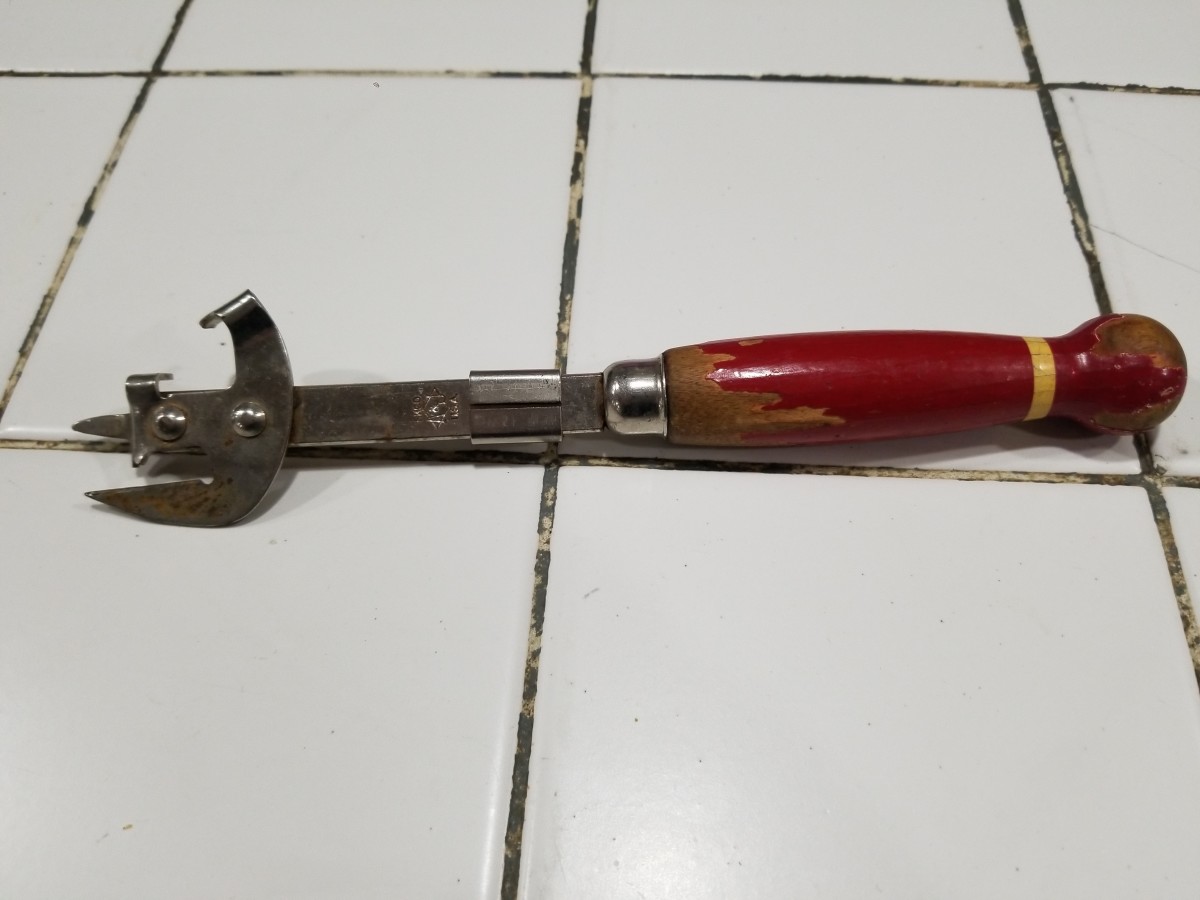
523,750
33,332
1180,481
1151,476
852,471
1183,600
42,313
523,754
1062,156
486,456
570,254
556,74
1104,87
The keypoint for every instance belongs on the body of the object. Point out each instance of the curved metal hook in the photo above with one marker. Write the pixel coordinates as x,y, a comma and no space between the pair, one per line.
244,429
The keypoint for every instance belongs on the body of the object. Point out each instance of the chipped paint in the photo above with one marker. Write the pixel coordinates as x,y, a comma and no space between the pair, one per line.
707,412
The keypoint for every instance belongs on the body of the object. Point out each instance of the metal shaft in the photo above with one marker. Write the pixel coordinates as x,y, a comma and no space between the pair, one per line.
487,407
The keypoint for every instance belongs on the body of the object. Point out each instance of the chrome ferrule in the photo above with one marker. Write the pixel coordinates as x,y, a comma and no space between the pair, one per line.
635,397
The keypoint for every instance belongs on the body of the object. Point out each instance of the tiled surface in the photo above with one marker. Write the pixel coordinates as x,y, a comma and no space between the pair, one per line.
863,37
519,35
66,36
1117,42
752,683
880,698
1136,161
341,726
1185,517
775,226
385,251
66,134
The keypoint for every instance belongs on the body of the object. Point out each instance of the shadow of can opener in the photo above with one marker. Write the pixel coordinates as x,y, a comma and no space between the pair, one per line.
1119,374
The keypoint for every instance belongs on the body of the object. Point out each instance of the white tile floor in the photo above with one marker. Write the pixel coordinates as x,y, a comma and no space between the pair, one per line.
469,35
1137,163
743,682
65,137
96,36
973,39
358,254
1117,41
293,714
908,690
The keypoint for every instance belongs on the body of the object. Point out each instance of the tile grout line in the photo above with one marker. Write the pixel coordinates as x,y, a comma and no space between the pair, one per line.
89,210
515,827
1151,475
483,456
570,257
1183,600
1062,156
541,74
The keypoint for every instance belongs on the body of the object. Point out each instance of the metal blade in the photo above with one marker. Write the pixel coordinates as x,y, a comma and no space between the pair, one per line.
195,503
115,427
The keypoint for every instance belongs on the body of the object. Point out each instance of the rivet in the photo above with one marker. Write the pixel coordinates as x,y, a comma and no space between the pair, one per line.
169,424
249,419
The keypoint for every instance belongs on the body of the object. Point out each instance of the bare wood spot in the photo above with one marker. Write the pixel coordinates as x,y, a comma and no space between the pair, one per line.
702,413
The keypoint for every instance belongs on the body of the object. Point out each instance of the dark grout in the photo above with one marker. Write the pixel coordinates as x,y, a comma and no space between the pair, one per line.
410,454
1151,479
1123,88
515,829
96,73
89,210
156,68
570,257
797,78
371,73
1183,599
1062,156
537,74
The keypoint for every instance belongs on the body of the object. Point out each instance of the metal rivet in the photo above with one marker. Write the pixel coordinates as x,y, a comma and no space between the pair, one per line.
249,420
169,423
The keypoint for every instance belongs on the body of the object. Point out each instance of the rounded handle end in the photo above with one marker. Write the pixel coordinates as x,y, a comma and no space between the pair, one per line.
1128,373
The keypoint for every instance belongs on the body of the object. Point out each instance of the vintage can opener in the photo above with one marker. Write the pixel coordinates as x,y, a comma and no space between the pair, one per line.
1120,374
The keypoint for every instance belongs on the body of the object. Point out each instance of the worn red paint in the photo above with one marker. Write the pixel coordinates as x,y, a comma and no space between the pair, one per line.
1115,383
886,384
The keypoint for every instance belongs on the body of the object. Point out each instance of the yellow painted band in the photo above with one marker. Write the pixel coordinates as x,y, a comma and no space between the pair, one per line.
1044,378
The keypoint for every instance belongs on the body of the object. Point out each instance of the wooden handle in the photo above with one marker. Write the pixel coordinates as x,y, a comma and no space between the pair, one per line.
1119,374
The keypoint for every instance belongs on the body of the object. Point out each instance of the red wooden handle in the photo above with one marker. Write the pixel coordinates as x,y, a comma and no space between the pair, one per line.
1119,374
